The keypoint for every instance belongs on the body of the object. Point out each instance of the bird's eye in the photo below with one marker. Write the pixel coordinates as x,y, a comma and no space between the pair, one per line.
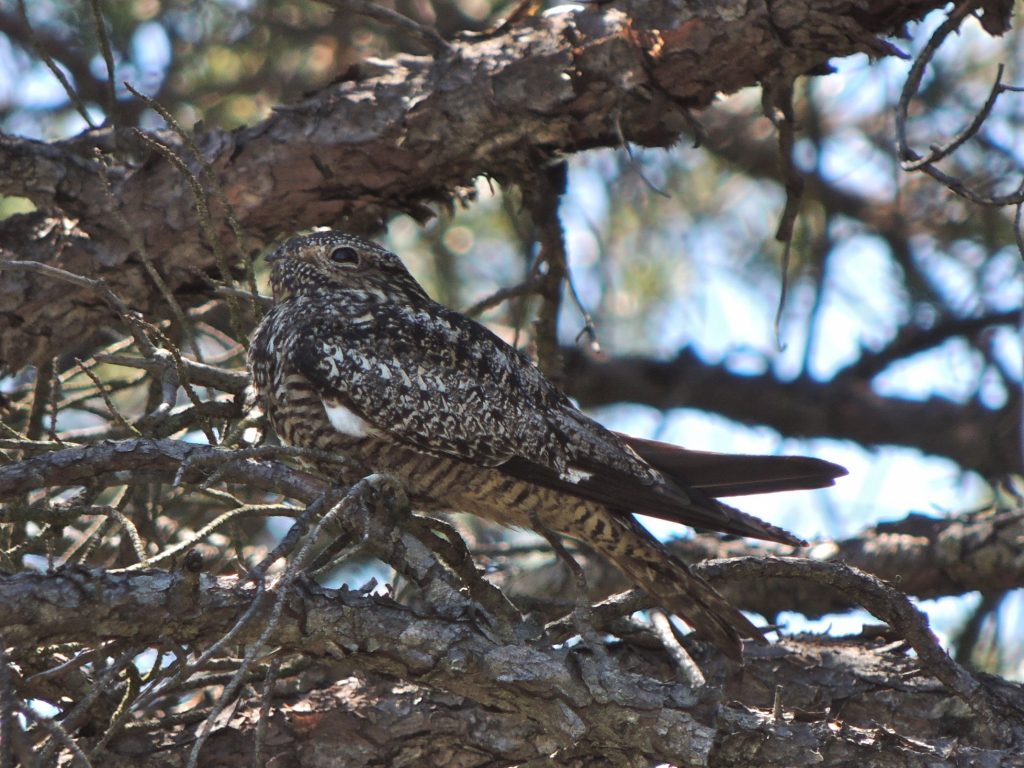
346,256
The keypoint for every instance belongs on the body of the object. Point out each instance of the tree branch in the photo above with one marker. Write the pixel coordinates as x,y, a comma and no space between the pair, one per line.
367,147
973,436
915,552
926,557
578,708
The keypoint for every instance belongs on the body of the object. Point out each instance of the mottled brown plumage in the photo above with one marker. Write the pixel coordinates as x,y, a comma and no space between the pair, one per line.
355,358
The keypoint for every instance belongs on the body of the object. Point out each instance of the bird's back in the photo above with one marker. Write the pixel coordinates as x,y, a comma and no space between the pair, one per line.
356,359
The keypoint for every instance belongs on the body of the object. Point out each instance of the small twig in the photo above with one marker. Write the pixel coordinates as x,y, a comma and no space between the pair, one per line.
780,345
426,36
230,348
75,662
582,612
102,390
124,709
74,719
666,633
525,288
132,531
201,374
59,735
194,416
589,328
182,379
263,721
781,97
634,163
910,160
298,530
78,551
778,714
7,429
108,58
213,182
79,396
157,669
165,685
263,302
202,212
168,721
54,69
938,153
219,522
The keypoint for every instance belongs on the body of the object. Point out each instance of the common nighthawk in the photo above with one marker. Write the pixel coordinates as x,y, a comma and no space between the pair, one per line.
355,358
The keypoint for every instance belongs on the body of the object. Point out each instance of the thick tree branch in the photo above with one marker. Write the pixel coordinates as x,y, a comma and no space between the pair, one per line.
917,553
579,702
580,708
369,145
925,557
973,436
87,464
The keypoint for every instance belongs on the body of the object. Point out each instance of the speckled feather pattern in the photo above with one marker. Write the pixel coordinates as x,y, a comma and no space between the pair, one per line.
465,421
426,374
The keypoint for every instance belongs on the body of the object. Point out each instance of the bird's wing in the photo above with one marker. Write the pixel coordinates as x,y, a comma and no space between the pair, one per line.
443,384
446,385
733,474
434,380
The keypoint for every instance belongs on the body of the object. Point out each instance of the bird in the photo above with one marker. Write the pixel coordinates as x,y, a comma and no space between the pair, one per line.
355,359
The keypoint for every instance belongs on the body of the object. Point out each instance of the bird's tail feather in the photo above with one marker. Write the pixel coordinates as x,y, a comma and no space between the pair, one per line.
729,474
646,562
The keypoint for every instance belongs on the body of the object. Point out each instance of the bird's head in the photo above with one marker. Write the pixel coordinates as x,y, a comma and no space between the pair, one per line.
321,262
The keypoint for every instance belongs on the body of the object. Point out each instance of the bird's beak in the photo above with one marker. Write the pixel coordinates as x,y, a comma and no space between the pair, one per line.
275,256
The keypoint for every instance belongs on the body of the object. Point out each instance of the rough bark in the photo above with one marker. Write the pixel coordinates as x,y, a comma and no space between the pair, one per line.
478,658
517,687
502,703
395,136
925,557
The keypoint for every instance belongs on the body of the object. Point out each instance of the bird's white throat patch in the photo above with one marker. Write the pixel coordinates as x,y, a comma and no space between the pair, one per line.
346,421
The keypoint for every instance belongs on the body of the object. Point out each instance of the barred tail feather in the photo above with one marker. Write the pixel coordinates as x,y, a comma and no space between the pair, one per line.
645,561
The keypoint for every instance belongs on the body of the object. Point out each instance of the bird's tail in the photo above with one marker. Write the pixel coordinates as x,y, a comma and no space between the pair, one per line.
731,474
646,562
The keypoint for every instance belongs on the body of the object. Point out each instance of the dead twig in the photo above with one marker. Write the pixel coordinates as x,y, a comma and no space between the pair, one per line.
426,36
910,160
888,604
